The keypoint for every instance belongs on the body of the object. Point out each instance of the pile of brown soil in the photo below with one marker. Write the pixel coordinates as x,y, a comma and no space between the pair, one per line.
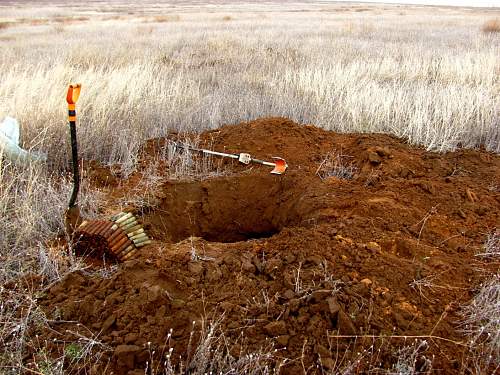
321,269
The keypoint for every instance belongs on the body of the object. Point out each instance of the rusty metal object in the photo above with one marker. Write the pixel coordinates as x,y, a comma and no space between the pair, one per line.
118,238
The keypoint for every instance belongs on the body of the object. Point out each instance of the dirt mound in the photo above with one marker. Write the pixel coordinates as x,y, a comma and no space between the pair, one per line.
321,268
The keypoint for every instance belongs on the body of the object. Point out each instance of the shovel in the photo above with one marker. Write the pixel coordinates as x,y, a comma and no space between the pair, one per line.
72,216
279,164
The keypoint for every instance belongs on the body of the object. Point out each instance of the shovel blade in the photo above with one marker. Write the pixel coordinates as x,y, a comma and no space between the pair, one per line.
280,166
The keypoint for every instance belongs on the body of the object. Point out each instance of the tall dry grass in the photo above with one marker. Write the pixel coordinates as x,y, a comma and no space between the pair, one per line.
430,76
492,26
434,82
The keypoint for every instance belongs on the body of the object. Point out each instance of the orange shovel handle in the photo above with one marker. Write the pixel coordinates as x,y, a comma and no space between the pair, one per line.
73,93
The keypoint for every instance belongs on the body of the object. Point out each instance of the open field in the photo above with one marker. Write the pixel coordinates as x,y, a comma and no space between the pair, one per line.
372,254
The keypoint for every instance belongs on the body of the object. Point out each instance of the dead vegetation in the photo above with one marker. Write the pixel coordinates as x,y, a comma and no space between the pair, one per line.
337,165
70,20
5,25
429,96
164,18
492,26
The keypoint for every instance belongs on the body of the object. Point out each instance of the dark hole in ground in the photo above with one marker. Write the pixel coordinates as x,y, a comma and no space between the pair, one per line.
225,209
242,236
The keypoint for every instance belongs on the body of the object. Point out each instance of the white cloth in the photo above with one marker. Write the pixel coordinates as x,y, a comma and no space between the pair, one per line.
9,144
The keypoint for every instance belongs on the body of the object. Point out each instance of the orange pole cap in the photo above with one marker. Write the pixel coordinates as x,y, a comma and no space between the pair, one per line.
73,93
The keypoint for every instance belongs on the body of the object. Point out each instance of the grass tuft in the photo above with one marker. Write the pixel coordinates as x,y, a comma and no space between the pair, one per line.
5,25
336,164
482,324
213,355
492,246
481,317
492,26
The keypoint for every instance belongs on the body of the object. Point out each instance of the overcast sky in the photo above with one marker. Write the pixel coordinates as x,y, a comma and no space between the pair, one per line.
479,3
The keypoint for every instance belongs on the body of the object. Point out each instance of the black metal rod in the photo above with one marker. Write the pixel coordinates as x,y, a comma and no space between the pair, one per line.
76,171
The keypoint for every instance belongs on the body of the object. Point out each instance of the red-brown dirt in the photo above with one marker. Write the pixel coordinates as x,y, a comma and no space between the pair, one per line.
320,268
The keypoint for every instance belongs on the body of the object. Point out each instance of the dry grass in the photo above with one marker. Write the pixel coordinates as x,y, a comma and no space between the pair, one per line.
32,205
482,325
481,318
167,18
5,25
69,20
38,22
336,164
492,26
437,88
212,355
433,82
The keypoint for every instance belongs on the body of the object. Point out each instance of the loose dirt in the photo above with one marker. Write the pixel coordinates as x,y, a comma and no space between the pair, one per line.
326,271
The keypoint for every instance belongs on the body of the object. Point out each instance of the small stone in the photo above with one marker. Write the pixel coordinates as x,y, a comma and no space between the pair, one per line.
195,268
367,282
333,306
177,303
257,263
232,262
320,295
289,294
481,210
248,267
373,246
374,158
283,340
383,151
388,297
154,293
214,274
272,266
314,259
322,351
294,305
328,363
125,355
275,328
226,306
130,338
345,324
405,172
108,323
118,340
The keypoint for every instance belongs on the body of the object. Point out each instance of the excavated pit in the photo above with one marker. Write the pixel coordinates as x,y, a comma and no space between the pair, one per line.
225,209
386,255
